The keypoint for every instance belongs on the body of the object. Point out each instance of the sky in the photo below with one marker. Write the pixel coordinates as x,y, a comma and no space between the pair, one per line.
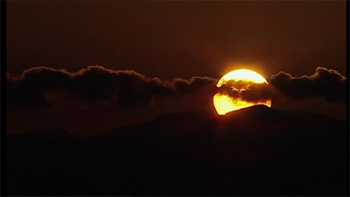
93,66
177,39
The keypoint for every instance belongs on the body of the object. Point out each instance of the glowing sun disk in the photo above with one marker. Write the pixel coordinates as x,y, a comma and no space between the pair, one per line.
224,103
242,75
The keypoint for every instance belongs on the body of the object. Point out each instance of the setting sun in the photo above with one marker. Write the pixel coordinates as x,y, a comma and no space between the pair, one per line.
225,103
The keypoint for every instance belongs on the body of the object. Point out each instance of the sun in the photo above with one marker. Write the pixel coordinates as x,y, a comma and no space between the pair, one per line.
225,103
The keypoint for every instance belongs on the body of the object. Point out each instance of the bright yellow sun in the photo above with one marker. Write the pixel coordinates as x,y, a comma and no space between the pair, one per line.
224,103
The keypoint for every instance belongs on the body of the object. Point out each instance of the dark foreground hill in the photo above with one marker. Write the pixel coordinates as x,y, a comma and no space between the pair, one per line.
254,151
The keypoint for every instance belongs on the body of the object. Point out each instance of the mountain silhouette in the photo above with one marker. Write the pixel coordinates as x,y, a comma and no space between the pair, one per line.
253,151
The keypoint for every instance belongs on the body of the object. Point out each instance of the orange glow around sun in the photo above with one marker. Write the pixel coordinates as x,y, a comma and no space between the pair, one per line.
224,103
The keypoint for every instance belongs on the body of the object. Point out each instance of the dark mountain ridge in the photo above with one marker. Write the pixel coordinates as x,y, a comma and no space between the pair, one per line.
253,151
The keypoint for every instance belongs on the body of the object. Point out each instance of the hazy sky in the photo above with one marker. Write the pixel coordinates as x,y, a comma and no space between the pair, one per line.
165,40
144,73
177,39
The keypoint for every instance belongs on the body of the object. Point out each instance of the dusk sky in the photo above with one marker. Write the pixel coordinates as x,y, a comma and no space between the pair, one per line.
166,40
194,98
177,39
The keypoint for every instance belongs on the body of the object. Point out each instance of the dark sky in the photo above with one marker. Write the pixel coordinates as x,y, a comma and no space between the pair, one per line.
94,67
298,46
177,39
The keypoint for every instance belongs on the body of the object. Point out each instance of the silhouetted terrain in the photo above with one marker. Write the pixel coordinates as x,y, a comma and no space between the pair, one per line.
254,151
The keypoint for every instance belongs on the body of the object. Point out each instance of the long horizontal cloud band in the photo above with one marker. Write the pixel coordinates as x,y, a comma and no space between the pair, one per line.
98,83
130,88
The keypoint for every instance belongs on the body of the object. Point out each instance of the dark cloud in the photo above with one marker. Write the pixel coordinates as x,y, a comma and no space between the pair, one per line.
94,83
23,95
36,87
200,85
324,83
258,92
228,90
247,91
